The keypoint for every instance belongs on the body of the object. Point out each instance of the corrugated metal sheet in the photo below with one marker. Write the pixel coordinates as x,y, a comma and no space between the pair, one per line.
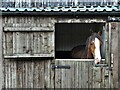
65,9
55,3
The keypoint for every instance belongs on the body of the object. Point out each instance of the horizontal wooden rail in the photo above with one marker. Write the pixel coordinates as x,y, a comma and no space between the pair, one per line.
86,60
28,56
15,29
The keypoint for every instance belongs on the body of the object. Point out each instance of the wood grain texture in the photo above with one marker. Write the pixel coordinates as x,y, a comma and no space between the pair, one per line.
21,46
32,73
81,75
114,51
38,41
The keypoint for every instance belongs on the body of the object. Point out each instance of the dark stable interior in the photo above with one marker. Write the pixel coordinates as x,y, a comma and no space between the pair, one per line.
70,35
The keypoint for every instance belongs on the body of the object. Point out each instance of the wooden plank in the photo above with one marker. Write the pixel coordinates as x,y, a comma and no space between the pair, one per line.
47,74
90,74
28,43
102,70
84,75
23,29
52,43
6,73
1,55
96,77
45,43
41,75
9,43
119,52
52,77
4,44
63,75
57,76
68,74
114,51
36,75
30,71
40,49
28,55
24,74
19,74
35,43
17,42
14,43
85,60
13,74
72,83
80,74
22,43
76,74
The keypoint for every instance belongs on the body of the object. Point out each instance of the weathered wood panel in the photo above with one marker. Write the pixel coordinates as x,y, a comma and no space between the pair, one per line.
1,55
16,43
82,74
37,73
32,73
119,54
33,38
29,23
114,51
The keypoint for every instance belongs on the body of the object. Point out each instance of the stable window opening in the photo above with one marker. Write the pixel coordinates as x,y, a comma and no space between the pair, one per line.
70,35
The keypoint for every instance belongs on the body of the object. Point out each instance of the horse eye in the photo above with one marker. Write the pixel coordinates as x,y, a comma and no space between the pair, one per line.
91,43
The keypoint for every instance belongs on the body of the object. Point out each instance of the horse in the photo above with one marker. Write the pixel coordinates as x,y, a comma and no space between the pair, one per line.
91,49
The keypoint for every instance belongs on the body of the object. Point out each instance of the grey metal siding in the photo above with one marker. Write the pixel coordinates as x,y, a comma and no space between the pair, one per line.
55,3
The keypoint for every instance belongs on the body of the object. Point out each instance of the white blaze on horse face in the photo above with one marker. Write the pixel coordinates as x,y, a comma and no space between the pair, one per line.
97,51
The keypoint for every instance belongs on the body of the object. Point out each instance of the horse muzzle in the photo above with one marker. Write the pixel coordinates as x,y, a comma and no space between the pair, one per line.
97,61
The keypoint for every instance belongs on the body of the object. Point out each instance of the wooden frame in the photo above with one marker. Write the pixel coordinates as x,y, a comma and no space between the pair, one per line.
25,29
28,56
1,55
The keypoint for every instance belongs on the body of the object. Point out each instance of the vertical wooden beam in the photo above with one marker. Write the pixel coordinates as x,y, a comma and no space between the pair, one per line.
114,51
119,55
1,55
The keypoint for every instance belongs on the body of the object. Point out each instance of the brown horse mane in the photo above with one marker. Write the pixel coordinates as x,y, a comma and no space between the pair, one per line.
84,52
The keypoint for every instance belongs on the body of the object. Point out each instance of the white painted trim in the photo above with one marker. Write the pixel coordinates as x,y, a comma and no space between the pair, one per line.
86,60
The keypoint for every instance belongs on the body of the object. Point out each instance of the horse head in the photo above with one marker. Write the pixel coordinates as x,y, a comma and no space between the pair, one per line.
94,43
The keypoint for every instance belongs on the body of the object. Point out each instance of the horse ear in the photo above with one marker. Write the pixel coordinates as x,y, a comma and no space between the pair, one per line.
100,33
91,31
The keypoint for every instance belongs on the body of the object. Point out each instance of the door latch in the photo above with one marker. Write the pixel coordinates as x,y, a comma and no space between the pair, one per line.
60,66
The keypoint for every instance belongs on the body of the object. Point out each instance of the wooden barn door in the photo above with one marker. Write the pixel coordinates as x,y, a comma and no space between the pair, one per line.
73,74
81,74
28,53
